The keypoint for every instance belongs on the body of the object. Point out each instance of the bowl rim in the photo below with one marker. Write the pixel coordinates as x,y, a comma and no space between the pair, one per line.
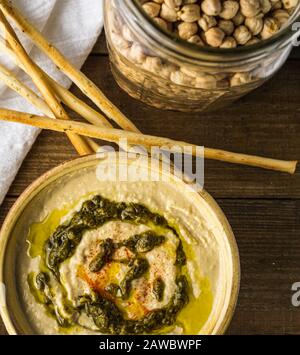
33,189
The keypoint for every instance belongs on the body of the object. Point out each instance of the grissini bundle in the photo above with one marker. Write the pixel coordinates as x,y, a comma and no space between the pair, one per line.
69,99
80,144
114,135
78,78
77,105
8,78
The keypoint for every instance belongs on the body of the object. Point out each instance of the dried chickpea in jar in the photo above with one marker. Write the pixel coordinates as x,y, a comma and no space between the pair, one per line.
166,78
221,23
224,24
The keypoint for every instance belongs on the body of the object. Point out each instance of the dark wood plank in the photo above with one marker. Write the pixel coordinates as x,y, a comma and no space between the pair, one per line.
267,233
295,53
2,328
100,47
265,122
4,208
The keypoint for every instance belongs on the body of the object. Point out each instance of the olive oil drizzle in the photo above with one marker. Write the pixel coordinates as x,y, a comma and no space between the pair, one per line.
107,317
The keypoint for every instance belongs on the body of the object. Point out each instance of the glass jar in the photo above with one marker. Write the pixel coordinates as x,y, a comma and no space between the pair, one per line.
155,67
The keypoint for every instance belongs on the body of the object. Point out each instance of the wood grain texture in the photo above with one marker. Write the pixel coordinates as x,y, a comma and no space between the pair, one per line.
263,207
267,233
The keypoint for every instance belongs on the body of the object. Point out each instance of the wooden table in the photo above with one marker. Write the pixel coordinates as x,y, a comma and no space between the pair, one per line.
263,207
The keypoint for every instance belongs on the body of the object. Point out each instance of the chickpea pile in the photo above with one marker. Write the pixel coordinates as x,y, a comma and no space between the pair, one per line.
151,76
221,23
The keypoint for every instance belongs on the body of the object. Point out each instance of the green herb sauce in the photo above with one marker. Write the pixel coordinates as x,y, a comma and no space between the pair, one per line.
107,317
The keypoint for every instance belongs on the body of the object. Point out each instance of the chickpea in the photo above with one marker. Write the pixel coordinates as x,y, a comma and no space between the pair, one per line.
187,29
153,64
289,4
190,13
242,35
173,4
127,34
252,41
238,19
168,14
250,8
206,81
167,26
211,7
167,70
271,26
240,79
152,9
190,72
219,23
214,36
136,54
255,24
180,78
229,42
282,16
196,40
276,4
120,42
206,22
226,26
230,9
265,6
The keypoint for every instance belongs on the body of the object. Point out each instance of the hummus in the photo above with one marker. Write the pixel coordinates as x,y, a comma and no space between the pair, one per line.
107,257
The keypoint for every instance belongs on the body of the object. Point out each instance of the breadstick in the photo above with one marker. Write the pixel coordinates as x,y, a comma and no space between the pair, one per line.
114,135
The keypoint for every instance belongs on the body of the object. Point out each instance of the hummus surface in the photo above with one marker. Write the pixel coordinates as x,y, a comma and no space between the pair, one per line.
78,280
191,223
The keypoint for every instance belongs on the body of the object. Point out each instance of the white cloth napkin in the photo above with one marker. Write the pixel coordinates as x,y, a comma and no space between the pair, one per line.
73,26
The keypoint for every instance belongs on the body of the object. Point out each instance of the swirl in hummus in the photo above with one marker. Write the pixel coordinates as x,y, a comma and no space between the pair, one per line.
113,267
